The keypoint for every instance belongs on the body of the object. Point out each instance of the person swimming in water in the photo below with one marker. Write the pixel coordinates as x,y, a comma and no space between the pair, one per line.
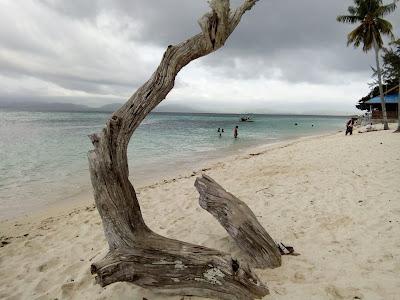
235,132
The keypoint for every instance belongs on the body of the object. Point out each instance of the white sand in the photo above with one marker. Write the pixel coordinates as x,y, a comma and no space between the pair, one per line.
336,199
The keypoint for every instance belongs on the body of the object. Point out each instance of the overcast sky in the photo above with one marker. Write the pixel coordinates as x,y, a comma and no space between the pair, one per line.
285,56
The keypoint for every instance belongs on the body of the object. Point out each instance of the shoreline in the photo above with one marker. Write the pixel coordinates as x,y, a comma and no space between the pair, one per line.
59,173
84,199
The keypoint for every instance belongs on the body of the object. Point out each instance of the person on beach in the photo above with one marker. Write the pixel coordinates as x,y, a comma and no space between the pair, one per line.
349,127
367,128
235,132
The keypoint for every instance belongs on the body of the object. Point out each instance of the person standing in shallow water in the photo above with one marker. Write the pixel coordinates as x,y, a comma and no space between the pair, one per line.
235,132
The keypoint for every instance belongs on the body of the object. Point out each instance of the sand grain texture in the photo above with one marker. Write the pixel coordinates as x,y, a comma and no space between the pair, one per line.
336,199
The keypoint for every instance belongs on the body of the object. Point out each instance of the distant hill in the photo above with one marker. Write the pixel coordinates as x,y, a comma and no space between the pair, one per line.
43,106
69,107
167,107
109,107
56,107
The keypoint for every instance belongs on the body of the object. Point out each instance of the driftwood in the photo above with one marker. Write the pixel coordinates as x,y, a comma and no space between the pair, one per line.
136,253
175,267
240,222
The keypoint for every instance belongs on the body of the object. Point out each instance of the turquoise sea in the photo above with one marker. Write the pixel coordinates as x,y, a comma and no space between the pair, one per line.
43,154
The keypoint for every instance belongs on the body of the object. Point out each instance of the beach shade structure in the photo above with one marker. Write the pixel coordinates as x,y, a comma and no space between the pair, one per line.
389,99
392,106
136,253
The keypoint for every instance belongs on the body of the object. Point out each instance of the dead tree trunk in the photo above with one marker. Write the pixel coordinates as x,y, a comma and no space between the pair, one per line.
240,222
137,254
175,267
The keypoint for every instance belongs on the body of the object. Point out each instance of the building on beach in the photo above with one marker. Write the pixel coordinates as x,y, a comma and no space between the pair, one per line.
373,105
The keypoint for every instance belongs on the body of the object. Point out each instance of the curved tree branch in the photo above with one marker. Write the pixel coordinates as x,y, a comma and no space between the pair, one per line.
130,240
240,222
239,12
111,146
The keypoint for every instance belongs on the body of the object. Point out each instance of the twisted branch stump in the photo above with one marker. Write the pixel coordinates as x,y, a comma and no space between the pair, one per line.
137,254
240,222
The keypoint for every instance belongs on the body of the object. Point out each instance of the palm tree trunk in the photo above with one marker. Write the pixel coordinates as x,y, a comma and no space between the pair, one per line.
378,68
398,110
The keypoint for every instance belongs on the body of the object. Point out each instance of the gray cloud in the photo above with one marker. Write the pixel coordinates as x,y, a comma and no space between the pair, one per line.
301,38
108,48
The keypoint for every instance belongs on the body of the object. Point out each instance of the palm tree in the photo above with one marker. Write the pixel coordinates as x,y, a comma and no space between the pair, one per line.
370,13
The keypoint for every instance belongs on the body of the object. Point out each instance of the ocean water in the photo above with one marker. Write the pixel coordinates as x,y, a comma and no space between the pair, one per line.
43,155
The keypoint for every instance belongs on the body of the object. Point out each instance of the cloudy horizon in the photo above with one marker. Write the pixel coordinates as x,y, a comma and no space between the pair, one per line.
284,57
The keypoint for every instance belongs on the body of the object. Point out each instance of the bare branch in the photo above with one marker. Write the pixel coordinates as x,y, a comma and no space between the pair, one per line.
222,10
240,222
239,12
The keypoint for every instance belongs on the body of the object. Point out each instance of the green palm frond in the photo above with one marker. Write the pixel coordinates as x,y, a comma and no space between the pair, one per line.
369,14
352,10
386,9
348,19
384,25
356,37
395,42
378,37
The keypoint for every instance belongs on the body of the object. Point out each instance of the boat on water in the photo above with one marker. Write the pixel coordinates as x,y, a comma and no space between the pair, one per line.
246,118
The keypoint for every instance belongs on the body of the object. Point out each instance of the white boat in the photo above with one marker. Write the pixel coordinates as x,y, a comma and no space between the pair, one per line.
246,118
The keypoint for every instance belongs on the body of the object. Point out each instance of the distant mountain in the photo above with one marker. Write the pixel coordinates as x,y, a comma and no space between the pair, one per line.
69,107
56,107
167,107
109,107
43,106
163,107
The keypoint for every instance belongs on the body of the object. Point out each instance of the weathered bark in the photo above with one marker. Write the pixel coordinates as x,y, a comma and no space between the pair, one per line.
175,267
378,69
240,222
137,254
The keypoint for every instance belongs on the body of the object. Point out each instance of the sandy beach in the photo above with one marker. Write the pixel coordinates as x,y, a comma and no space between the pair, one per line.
335,198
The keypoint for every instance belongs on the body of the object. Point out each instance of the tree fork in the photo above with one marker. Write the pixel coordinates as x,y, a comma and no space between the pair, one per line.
137,254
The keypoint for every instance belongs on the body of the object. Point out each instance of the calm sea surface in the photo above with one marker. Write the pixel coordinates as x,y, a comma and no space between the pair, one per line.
43,155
